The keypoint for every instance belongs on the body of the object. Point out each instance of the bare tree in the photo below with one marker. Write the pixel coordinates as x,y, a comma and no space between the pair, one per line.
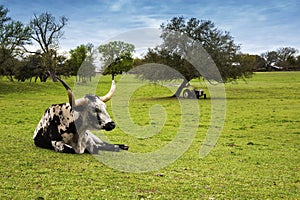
47,31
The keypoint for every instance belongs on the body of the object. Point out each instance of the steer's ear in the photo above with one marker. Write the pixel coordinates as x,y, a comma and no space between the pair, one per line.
70,93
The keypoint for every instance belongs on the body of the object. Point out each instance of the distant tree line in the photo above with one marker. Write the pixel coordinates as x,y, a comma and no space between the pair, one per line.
285,57
19,62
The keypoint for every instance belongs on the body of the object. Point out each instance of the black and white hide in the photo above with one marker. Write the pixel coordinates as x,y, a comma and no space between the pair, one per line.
66,127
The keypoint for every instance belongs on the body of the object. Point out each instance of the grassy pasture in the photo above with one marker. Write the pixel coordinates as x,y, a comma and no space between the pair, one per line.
257,155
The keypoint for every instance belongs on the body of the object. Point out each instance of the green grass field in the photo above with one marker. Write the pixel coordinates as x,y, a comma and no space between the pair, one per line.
257,155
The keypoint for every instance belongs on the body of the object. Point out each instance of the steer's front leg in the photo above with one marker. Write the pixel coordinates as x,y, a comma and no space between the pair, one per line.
94,144
60,146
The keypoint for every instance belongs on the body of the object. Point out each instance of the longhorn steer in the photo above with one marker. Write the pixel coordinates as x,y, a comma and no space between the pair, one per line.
65,127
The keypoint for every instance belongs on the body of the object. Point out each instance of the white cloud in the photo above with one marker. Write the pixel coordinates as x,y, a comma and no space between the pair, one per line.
117,6
255,24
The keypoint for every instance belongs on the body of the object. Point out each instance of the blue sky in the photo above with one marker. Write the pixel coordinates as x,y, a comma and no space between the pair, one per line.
257,25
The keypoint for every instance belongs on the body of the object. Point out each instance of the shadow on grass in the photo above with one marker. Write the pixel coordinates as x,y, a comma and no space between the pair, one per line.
169,98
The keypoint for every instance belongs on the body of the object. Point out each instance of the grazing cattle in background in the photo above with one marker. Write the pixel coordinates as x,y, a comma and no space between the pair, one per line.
65,127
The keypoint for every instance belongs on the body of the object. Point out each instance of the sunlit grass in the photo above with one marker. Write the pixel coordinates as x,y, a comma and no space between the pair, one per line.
256,157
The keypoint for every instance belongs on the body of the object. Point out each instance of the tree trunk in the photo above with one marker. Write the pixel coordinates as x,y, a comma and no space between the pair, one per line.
10,77
183,84
53,76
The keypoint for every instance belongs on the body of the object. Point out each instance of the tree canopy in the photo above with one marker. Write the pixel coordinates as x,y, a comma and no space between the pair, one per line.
116,57
14,35
87,67
284,57
79,55
192,48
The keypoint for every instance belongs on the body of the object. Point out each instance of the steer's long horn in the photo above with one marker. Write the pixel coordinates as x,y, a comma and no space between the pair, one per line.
111,91
70,93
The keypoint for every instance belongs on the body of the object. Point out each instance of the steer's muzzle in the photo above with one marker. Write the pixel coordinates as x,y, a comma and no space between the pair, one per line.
109,126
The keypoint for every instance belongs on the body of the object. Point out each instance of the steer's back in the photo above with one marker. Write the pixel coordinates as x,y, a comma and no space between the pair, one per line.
58,119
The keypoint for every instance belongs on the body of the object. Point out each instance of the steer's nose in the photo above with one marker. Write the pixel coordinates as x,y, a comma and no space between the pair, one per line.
109,126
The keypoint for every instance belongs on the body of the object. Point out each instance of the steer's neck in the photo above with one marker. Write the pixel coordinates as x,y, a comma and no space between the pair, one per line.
79,122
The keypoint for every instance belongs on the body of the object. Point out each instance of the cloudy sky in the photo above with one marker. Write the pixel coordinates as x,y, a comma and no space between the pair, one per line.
257,25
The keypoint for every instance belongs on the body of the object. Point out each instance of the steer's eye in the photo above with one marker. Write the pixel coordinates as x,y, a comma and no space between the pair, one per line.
97,110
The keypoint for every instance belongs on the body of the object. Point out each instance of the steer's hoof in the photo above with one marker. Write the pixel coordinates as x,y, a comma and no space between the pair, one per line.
123,147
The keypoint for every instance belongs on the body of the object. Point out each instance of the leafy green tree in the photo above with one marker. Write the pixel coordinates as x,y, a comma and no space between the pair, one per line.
121,64
31,67
8,67
61,66
87,70
158,73
13,37
181,37
47,31
116,57
81,62
77,56
252,62
28,68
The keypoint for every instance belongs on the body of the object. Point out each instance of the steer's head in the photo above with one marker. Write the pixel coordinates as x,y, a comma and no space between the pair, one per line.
91,109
